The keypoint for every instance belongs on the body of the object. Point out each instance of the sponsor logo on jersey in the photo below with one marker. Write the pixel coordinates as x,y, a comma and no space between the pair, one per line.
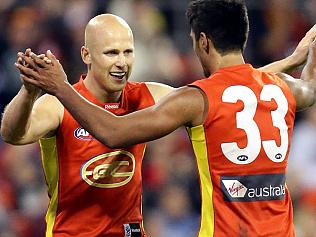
109,170
252,188
132,230
127,230
234,188
111,106
82,134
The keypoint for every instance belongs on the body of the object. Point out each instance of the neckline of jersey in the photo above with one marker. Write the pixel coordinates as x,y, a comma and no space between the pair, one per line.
235,67
93,99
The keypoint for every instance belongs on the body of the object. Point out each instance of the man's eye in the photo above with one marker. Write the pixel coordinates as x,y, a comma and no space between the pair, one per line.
110,53
129,52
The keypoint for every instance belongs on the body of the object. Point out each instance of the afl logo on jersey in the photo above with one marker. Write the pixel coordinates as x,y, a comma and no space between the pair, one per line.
242,158
82,134
109,170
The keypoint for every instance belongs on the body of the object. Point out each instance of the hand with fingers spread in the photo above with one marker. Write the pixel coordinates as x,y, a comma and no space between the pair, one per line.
44,72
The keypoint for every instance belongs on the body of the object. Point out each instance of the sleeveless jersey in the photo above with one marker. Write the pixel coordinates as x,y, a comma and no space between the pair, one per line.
242,151
94,190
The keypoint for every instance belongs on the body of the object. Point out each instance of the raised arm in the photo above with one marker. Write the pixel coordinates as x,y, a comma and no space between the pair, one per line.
304,89
185,106
25,121
296,59
26,118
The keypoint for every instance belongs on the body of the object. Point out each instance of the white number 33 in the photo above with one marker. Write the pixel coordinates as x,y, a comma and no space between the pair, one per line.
245,121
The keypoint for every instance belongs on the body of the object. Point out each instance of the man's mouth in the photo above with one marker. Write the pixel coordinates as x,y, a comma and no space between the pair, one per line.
118,75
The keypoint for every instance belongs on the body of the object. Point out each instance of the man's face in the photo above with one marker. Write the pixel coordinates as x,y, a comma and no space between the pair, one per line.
112,58
200,53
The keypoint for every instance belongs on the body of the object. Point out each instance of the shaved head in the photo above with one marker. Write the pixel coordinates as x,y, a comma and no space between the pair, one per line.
108,53
105,26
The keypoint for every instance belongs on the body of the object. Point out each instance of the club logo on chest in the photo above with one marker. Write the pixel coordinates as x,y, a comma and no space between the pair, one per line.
109,170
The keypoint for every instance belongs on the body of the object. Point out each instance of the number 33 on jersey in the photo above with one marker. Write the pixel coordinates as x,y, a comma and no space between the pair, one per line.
241,151
245,121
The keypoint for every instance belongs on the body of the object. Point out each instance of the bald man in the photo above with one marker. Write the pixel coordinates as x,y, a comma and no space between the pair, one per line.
94,190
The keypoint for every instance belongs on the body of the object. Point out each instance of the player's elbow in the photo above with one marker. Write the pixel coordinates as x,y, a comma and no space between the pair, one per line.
111,138
7,136
116,141
114,144
111,143
112,134
306,99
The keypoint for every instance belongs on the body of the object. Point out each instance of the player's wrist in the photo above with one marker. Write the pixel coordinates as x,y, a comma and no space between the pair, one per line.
63,89
292,62
31,91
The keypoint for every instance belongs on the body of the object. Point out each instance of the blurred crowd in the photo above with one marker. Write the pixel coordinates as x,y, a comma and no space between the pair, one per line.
171,201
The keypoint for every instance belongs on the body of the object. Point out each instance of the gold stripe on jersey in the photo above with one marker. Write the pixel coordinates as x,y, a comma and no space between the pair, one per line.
141,196
197,137
50,166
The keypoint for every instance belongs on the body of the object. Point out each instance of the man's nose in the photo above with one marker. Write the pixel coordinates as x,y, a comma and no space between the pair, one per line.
121,60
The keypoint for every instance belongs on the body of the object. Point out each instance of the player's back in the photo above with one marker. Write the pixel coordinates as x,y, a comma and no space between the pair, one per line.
242,150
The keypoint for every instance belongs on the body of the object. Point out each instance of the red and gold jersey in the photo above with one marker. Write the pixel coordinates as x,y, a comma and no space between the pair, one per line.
94,190
242,151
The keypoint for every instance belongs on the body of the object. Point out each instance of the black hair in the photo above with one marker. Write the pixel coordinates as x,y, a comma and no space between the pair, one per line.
225,22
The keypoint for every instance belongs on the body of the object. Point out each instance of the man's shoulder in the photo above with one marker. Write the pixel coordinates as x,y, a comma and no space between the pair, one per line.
78,85
136,90
48,100
133,85
158,90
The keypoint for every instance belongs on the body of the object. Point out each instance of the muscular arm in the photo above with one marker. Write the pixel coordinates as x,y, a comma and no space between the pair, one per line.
14,122
184,106
304,89
26,119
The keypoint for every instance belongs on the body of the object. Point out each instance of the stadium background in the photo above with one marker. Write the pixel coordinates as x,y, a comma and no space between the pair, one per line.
163,53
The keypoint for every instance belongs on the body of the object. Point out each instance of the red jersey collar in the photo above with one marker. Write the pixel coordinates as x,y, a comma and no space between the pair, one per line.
93,99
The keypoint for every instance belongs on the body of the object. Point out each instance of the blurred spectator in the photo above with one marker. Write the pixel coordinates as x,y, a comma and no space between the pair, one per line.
174,215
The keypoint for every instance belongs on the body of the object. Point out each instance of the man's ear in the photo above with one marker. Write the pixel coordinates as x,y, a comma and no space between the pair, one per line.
85,55
204,42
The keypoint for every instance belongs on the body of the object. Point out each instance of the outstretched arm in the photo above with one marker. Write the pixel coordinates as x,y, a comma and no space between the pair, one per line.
185,106
296,59
182,107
